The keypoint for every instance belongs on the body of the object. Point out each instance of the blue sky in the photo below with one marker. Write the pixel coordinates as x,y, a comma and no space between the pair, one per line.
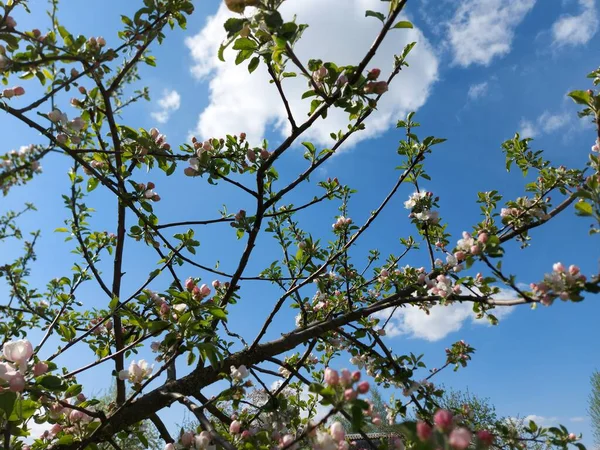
482,70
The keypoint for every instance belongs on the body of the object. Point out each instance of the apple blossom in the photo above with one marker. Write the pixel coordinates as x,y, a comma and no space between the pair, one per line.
40,368
424,430
18,352
331,377
187,439
337,431
137,372
17,382
443,419
363,387
486,438
169,446
460,438
239,373
202,440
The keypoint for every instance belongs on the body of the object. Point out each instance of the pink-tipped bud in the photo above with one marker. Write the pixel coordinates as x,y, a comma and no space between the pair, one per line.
356,375
443,419
350,394
363,387
424,431
374,74
485,437
190,284
331,377
235,427
40,368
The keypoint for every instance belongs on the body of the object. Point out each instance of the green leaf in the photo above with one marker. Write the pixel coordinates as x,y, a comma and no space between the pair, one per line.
376,14
254,62
218,313
233,26
403,24
581,97
7,402
244,44
92,184
583,209
51,382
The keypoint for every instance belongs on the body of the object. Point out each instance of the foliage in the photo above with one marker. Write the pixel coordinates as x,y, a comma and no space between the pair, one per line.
183,317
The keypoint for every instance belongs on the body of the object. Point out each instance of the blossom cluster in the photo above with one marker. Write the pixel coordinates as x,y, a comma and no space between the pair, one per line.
14,368
561,283
459,438
341,223
68,129
16,91
421,204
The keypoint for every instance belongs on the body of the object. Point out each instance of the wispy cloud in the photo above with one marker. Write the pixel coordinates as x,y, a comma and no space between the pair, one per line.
169,103
478,90
576,29
482,30
546,123
578,419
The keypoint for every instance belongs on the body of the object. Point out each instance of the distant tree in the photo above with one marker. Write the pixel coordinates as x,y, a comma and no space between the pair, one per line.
594,406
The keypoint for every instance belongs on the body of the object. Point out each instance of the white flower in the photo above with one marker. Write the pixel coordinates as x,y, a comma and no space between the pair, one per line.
451,260
596,147
202,440
466,242
324,441
77,124
57,116
137,372
428,216
413,199
7,371
238,374
180,307
18,352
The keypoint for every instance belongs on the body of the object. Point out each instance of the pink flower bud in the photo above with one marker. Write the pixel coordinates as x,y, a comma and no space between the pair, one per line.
235,427
187,439
376,420
424,431
204,290
572,437
485,437
483,238
8,93
75,415
573,270
40,368
346,377
475,250
331,377
337,431
460,438
190,284
169,447
246,434
460,255
81,397
373,74
264,154
363,387
443,419
356,375
558,267
17,382
18,91
350,394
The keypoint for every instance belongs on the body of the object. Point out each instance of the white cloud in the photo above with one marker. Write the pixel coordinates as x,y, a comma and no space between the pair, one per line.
484,29
169,103
240,102
478,90
578,419
441,320
546,123
576,29
540,420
